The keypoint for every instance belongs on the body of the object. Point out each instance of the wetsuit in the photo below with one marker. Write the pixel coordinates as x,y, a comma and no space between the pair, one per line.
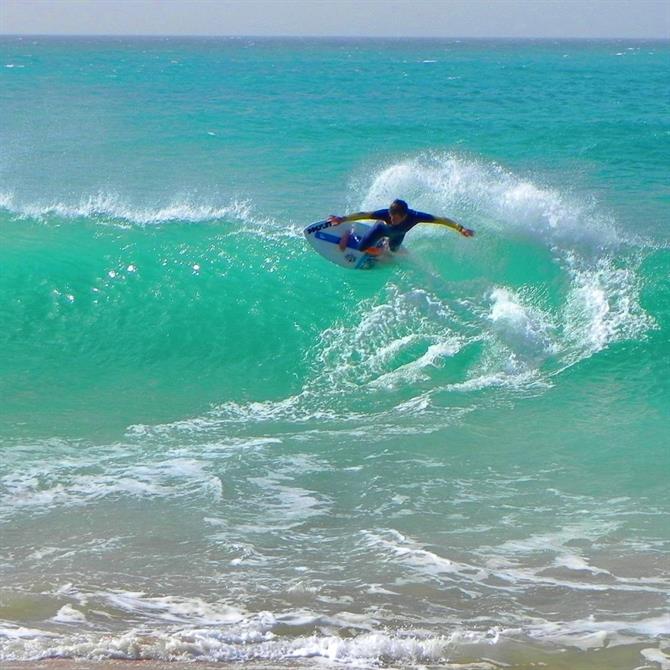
396,234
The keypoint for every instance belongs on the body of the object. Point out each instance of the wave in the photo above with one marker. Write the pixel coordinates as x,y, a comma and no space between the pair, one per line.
548,282
244,638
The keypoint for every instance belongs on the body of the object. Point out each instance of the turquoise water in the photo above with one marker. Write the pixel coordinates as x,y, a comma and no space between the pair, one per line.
216,445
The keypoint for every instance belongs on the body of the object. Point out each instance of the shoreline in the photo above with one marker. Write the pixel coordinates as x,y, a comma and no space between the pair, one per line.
625,657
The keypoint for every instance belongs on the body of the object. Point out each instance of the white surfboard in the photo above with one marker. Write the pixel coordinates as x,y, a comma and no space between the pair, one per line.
325,238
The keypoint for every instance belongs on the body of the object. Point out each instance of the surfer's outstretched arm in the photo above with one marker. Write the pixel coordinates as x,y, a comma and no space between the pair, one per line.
449,223
356,216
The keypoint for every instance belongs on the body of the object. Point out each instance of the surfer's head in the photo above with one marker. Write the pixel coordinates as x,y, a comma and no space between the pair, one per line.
398,211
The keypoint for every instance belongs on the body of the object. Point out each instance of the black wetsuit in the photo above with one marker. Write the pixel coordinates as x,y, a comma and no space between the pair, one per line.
396,234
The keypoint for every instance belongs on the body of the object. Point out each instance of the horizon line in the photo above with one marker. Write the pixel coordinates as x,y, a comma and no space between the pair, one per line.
342,37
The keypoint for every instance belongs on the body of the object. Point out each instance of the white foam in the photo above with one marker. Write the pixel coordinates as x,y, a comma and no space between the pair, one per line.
512,377
579,564
657,656
417,557
373,347
526,328
10,633
250,640
285,507
70,615
415,371
40,486
6,200
112,208
468,188
509,561
192,611
592,633
554,540
603,306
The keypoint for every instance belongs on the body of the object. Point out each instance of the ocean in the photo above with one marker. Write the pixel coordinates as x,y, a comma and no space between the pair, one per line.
217,446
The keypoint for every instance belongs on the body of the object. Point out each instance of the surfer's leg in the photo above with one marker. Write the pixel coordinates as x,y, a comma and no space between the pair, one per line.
395,242
373,236
344,240
349,239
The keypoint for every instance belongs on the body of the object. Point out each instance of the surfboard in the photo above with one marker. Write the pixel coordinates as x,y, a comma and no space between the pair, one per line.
325,239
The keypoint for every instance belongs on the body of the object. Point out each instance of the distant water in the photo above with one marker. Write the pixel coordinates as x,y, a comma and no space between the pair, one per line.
215,445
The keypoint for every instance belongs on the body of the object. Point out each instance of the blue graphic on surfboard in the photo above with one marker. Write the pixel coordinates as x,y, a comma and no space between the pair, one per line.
325,237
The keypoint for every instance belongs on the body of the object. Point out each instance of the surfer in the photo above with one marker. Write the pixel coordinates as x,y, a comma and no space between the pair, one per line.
393,223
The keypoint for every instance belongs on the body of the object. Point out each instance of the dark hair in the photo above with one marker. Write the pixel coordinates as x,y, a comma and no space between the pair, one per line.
398,207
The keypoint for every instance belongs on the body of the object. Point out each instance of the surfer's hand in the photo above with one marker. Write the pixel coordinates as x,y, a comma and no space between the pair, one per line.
335,219
466,232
